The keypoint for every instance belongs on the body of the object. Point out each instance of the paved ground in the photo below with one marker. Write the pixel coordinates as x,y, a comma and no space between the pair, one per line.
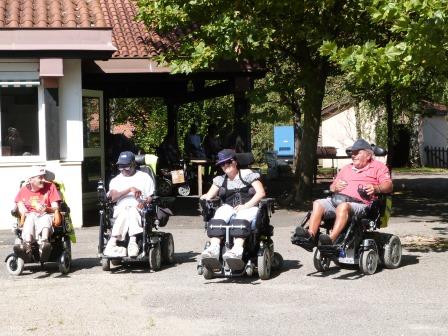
411,300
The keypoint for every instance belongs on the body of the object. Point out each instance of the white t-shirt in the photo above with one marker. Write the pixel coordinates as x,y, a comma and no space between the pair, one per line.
139,180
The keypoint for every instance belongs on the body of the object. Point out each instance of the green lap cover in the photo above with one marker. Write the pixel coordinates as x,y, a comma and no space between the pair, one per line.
68,220
386,211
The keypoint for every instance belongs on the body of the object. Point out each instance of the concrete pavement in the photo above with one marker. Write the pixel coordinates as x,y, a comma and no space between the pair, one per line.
411,300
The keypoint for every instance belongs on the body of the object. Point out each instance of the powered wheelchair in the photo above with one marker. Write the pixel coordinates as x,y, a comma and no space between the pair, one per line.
155,247
258,252
60,241
359,244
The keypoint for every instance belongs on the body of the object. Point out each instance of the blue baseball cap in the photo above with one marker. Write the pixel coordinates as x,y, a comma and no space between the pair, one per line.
125,159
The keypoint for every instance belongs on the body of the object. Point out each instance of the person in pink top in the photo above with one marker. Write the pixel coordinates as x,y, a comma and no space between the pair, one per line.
36,202
355,186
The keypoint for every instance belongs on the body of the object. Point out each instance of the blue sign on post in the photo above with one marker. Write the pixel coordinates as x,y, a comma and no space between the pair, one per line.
284,141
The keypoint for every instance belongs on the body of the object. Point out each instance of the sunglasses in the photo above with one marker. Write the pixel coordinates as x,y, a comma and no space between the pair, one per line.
127,169
222,164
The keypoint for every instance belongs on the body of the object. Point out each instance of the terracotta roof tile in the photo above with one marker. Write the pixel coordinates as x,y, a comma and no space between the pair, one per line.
131,38
51,14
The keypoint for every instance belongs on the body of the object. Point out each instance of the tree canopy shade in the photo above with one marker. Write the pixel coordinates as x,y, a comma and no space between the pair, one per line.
406,58
291,35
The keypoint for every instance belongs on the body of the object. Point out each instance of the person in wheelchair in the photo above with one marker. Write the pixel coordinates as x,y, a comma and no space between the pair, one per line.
240,191
354,189
37,202
130,189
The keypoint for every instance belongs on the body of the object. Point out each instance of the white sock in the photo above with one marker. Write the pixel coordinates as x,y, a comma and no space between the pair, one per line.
112,241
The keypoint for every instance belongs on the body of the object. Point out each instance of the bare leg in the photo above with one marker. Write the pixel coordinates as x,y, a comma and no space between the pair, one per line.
342,213
238,242
215,241
316,218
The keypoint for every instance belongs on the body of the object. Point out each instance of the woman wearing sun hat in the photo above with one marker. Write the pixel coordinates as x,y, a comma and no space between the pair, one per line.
240,191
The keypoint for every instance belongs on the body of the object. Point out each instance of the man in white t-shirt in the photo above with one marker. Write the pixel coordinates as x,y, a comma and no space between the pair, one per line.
131,189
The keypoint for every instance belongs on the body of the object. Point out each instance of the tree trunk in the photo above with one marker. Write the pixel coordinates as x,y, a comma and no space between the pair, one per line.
414,156
390,129
311,109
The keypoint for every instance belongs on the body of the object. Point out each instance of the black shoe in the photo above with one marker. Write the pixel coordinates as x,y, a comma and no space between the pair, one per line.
303,233
325,239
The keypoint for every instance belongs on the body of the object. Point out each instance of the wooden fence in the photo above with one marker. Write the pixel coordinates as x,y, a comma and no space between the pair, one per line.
436,157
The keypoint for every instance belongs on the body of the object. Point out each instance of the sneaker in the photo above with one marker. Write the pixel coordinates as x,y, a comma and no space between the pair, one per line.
325,239
44,250
133,249
211,252
113,250
234,253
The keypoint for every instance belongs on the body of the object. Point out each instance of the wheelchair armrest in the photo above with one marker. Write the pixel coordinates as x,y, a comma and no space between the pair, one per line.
268,203
208,207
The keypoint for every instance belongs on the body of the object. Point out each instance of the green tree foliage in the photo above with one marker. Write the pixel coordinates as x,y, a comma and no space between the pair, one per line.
404,62
283,35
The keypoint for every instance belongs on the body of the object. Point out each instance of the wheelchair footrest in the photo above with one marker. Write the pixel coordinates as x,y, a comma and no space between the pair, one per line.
211,263
235,264
306,243
330,251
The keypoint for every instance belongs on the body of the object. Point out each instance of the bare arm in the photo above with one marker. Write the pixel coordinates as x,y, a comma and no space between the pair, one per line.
385,187
116,195
211,193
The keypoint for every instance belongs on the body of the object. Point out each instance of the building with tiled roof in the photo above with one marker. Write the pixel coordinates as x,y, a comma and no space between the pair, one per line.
60,63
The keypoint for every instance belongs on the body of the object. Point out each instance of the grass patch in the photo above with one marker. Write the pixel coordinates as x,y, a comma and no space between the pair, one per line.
420,170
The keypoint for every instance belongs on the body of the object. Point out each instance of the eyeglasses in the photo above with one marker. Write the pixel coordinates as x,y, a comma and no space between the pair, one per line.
222,164
127,169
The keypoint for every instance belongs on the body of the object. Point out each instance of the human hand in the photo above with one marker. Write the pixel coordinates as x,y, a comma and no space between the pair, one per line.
239,207
137,193
339,185
369,189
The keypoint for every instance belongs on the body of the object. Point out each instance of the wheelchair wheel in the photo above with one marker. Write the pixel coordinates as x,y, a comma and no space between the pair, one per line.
392,252
155,257
64,262
15,265
168,249
207,273
105,264
264,264
368,262
163,187
184,189
277,261
321,263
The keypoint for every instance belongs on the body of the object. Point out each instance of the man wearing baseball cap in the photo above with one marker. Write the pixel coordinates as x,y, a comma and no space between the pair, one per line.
36,202
130,190
357,185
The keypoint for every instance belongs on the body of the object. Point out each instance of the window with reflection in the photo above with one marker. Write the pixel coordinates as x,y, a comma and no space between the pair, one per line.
91,122
19,121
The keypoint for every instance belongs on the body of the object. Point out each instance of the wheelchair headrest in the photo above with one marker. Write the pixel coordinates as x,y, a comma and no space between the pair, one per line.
140,159
378,151
244,159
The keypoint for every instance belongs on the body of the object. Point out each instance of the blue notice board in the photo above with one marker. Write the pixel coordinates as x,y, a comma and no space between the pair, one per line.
284,140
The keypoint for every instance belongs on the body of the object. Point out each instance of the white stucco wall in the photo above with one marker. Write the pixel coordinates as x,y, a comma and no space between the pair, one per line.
340,131
71,136
68,170
434,133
